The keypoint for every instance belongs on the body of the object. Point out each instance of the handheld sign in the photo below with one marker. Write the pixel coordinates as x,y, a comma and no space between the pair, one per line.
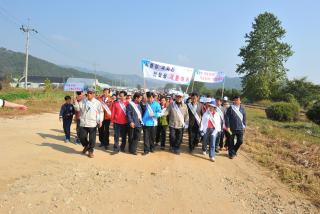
73,87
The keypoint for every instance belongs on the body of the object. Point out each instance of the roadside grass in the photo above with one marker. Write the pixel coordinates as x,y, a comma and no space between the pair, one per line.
38,101
291,150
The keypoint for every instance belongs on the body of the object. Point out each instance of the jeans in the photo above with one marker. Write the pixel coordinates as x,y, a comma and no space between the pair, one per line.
210,138
161,135
120,129
66,128
233,149
104,133
176,136
134,137
148,138
194,136
84,132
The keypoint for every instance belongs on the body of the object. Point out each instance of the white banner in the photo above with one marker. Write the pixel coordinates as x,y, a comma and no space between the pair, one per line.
73,87
208,76
166,72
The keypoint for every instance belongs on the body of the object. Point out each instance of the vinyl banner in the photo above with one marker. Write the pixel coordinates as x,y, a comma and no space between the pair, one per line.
208,76
166,72
73,87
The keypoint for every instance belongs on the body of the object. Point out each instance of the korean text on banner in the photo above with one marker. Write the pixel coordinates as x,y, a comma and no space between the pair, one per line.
166,72
73,87
208,76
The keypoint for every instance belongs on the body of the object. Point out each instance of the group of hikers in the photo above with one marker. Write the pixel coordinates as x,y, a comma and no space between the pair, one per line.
214,122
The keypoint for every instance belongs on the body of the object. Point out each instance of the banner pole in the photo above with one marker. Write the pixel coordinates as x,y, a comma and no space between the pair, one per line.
222,88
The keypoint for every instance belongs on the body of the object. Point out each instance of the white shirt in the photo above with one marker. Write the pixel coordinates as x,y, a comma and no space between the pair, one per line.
1,103
91,112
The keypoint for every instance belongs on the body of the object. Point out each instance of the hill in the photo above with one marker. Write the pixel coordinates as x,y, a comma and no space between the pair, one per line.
13,63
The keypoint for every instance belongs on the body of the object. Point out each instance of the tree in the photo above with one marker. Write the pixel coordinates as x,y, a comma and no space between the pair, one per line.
306,93
169,86
263,58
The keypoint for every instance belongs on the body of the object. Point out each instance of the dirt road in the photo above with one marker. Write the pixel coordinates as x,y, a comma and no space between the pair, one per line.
39,173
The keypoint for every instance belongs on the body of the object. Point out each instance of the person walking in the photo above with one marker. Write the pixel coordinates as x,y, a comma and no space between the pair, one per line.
162,125
134,114
120,122
178,121
151,112
66,115
210,127
195,113
104,131
235,124
91,116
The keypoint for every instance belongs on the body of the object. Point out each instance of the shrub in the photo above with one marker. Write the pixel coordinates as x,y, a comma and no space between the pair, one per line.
283,111
313,114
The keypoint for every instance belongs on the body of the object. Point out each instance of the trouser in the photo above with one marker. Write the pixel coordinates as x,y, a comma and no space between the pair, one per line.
134,137
210,139
194,136
161,135
233,148
78,129
120,129
218,140
176,136
66,128
84,132
104,132
148,138
224,143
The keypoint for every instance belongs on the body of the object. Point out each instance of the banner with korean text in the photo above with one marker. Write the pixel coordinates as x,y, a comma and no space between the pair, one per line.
208,76
166,72
73,87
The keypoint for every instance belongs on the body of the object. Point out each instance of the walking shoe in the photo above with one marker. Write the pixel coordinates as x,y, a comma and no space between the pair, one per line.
212,159
231,156
85,149
101,145
145,153
204,152
162,148
90,155
177,152
216,150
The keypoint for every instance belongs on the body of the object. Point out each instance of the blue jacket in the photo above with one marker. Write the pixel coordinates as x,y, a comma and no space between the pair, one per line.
151,121
133,116
233,121
67,111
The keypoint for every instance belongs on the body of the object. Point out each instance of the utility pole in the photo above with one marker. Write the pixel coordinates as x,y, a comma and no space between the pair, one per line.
95,75
27,30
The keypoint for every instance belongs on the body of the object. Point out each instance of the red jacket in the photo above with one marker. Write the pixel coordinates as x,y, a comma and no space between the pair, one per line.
109,103
118,116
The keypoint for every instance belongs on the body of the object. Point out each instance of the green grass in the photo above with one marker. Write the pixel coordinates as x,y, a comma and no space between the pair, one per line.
298,131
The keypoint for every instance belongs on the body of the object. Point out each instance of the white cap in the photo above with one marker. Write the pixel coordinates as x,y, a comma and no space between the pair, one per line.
225,98
207,100
179,93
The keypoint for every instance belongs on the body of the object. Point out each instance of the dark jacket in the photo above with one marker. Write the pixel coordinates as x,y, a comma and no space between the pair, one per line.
233,121
192,119
67,111
133,116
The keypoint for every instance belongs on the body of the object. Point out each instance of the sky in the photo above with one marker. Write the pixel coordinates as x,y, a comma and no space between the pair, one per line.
116,34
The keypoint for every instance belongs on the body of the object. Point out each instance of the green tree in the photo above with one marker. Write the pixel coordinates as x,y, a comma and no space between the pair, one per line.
47,85
306,93
263,58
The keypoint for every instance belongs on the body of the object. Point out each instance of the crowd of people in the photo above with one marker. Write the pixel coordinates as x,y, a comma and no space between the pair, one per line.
215,123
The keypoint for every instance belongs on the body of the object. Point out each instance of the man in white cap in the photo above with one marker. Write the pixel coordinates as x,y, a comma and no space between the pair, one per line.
209,129
178,121
91,116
